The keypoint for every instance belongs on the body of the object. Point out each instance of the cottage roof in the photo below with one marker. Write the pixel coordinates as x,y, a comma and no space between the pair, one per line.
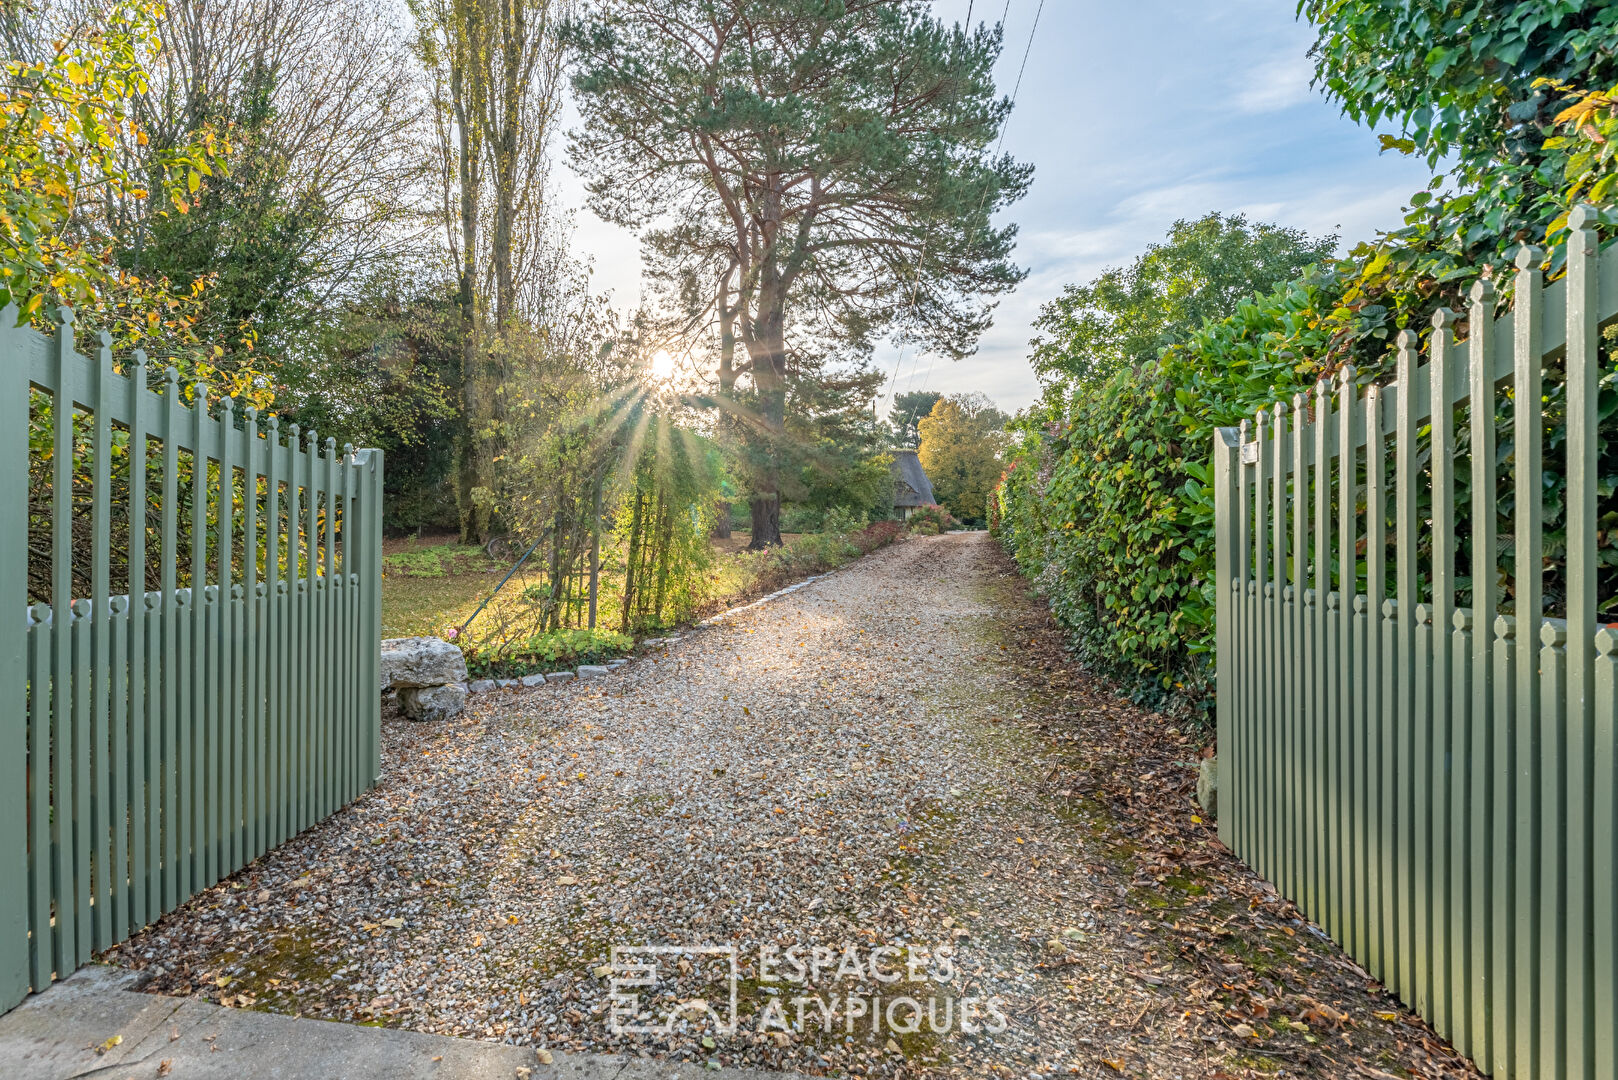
910,484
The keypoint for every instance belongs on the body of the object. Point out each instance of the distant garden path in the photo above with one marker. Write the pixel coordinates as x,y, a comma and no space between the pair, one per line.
900,753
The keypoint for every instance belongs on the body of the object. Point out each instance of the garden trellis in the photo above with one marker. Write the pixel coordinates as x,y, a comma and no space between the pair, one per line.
189,661
1433,783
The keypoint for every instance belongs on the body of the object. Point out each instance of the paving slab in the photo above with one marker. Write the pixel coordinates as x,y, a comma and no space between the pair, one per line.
97,1026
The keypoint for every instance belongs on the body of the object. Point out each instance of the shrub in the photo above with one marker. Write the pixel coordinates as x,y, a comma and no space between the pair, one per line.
878,534
544,652
930,520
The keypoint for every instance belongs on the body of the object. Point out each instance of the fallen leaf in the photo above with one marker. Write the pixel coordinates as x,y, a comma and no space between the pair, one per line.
165,1066
543,1055
567,880
109,1044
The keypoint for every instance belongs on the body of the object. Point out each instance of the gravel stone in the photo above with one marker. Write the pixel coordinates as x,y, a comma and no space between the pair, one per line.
832,767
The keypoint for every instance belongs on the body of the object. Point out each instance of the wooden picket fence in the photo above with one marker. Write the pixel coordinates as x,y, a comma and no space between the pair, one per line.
1433,784
189,669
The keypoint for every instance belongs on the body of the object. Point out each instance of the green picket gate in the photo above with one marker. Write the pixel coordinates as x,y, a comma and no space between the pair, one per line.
1434,784
189,669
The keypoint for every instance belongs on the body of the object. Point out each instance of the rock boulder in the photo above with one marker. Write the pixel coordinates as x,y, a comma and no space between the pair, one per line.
421,662
432,702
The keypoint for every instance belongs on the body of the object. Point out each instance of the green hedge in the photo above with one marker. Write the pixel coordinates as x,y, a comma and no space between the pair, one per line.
1106,505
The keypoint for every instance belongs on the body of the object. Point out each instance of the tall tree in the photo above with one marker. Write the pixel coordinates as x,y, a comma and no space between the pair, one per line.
495,66
908,409
835,159
1128,315
961,442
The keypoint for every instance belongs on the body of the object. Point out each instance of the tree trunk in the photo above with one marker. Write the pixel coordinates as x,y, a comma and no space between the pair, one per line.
721,520
474,461
768,355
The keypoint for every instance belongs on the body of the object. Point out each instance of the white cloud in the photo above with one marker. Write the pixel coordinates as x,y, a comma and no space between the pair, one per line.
1277,84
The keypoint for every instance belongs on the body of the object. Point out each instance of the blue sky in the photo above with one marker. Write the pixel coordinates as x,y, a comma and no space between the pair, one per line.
1134,115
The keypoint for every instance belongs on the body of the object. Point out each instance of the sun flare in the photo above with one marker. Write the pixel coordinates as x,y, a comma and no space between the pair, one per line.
662,365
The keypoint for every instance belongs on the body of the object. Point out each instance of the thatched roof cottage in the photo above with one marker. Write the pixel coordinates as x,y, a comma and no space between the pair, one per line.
911,488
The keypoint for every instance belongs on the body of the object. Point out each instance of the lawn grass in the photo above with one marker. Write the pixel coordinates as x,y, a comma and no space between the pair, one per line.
432,584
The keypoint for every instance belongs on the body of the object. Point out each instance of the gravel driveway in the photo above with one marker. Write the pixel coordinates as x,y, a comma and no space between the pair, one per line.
867,766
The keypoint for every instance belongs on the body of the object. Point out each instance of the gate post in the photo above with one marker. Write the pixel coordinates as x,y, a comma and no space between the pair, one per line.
14,371
1226,461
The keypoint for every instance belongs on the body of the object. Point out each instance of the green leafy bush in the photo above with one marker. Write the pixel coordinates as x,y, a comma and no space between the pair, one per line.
544,652
930,520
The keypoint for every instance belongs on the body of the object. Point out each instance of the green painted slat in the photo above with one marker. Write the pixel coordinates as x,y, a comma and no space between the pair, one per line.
320,641
63,789
115,628
1345,811
1404,497
272,629
1331,916
1259,700
1552,922
1583,443
292,639
330,636
311,700
345,698
1442,610
17,678
1457,979
1604,867
1393,941
1302,665
42,947
190,761
1378,758
176,862
1503,931
1484,815
349,659
103,752
1422,877
203,781
143,786
375,464
80,897
1528,597
228,681
253,838
1280,714
1320,715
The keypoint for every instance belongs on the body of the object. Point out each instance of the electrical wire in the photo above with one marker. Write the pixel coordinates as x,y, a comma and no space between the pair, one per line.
1015,90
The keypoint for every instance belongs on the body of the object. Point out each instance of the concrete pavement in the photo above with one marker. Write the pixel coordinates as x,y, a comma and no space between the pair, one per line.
97,1025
